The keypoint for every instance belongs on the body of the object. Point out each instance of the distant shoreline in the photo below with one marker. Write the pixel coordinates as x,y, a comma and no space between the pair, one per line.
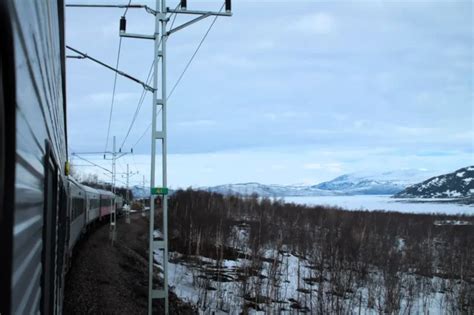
463,201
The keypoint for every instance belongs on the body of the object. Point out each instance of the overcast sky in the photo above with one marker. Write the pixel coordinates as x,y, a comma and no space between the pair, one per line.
284,91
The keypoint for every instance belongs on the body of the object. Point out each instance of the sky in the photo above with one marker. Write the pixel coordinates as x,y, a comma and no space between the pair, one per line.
282,92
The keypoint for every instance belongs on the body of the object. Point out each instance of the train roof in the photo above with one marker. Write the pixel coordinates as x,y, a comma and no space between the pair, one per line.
90,189
74,182
105,192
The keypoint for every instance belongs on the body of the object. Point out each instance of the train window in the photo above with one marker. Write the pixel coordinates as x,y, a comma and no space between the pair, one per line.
77,207
94,203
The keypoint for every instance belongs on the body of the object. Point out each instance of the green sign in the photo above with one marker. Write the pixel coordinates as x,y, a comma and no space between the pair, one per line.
159,191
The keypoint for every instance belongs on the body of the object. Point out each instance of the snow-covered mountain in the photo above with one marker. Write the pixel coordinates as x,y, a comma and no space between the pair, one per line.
140,192
458,184
268,190
384,183
361,183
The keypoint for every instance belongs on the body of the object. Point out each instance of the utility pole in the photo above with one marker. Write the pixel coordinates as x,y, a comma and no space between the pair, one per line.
160,37
143,209
113,227
127,210
113,215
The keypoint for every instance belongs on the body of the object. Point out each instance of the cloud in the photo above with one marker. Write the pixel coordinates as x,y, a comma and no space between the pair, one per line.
312,166
197,123
317,23
332,167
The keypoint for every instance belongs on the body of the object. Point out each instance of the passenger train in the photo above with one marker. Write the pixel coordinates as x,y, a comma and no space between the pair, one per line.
43,212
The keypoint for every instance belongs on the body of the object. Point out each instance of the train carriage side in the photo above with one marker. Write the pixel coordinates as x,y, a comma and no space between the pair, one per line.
92,204
107,201
33,157
118,204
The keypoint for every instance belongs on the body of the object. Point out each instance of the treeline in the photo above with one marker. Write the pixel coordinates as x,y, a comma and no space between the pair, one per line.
389,254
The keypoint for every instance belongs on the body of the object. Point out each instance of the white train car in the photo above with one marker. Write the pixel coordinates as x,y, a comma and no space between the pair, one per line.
92,204
33,154
76,212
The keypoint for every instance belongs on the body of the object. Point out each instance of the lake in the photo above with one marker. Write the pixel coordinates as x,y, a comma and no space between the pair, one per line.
384,202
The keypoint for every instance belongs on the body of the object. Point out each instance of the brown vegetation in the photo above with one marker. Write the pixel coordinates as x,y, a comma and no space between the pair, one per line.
391,255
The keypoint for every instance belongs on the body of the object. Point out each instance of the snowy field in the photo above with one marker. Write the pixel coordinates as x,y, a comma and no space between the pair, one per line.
292,291
384,202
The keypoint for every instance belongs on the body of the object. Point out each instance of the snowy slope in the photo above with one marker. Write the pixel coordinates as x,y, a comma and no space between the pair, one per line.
459,184
375,183
140,192
386,183
268,190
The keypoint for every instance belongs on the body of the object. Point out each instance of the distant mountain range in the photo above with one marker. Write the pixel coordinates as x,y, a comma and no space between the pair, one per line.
458,184
402,183
269,190
385,183
140,192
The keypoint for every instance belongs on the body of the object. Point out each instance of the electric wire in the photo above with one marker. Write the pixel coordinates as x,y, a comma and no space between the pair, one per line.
146,130
194,54
115,82
139,105
97,165
185,68
142,97
126,9
177,82
113,94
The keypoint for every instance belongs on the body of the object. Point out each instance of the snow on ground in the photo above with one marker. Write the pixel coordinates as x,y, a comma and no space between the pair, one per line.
385,202
295,283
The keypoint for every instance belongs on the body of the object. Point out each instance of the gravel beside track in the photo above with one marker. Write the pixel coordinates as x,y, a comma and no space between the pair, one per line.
106,279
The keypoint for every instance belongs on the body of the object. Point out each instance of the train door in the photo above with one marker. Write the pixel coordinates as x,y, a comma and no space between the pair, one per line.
50,233
7,156
62,241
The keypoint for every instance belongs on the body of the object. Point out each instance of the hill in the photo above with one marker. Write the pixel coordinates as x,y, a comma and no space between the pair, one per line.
458,184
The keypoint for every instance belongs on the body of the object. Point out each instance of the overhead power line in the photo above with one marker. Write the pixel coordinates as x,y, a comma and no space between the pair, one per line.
194,54
143,134
142,97
145,86
139,105
180,77
113,93
126,9
86,160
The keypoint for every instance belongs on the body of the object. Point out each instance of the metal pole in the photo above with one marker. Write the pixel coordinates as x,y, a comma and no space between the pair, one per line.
143,209
128,194
127,213
164,38
112,203
152,173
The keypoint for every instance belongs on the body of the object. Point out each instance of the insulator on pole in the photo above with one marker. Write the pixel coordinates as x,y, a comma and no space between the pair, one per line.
228,6
184,4
123,24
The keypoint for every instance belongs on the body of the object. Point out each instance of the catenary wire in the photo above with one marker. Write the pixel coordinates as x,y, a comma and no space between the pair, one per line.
185,68
113,94
126,9
142,97
194,54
